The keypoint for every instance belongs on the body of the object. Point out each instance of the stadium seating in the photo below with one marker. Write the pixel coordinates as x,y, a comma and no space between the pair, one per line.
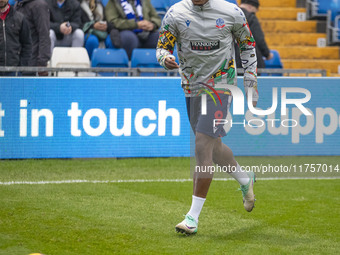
70,57
104,2
172,2
11,2
301,44
161,6
176,55
275,62
319,8
232,1
145,58
110,58
333,28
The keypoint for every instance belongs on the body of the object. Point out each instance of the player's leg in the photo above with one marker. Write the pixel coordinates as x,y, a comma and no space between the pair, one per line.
223,156
204,146
202,178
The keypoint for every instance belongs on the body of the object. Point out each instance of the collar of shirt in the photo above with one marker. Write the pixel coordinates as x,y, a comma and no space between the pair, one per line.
201,7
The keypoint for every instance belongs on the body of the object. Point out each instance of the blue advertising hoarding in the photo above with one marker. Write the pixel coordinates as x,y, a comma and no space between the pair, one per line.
146,117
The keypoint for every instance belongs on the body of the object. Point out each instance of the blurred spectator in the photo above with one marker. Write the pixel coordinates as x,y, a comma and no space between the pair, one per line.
137,22
15,37
94,25
39,26
250,7
65,17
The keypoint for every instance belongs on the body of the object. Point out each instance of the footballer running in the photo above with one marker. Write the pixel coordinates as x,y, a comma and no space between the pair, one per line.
204,32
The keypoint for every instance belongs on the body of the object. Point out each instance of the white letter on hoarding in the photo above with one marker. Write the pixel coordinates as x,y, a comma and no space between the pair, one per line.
36,114
145,131
258,111
280,130
228,123
2,114
203,104
298,102
87,122
254,130
320,128
23,118
126,129
74,113
238,99
163,114
301,130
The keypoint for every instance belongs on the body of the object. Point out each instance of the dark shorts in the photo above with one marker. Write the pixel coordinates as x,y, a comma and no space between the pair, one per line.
204,118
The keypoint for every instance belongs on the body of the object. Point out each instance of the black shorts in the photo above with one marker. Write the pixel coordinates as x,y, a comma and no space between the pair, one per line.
205,119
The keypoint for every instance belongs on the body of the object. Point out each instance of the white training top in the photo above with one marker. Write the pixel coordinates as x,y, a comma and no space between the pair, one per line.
205,38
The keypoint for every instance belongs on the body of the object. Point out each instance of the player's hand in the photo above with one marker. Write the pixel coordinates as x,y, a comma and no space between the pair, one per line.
170,62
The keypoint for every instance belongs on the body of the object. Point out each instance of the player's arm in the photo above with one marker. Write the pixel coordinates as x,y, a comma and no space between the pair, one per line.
246,44
166,43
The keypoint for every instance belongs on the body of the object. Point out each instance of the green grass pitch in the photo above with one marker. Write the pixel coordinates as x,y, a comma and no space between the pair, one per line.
290,217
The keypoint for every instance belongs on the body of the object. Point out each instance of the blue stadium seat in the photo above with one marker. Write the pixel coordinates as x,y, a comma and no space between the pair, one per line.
338,27
172,2
145,58
104,2
333,22
274,63
11,2
323,6
320,8
176,54
177,59
333,28
335,9
232,1
110,58
161,6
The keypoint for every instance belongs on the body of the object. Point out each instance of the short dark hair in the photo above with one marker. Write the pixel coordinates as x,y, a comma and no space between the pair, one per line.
254,3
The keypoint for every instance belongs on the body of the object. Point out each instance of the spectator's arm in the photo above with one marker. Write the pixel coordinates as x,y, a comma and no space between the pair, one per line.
166,41
26,43
259,37
55,26
42,23
76,18
114,16
246,44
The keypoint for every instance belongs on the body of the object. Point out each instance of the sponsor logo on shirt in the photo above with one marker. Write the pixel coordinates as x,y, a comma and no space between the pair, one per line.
204,46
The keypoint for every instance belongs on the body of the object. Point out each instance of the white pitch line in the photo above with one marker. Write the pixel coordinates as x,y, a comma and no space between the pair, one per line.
150,180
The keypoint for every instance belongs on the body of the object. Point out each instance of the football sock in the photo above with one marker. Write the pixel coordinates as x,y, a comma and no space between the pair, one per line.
196,207
240,175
